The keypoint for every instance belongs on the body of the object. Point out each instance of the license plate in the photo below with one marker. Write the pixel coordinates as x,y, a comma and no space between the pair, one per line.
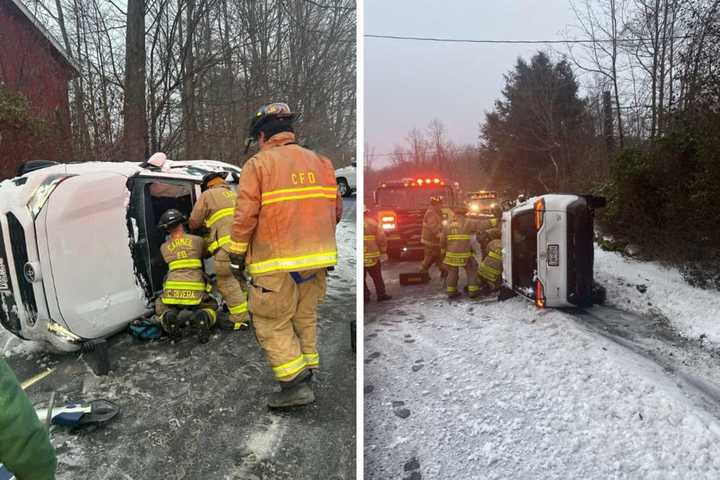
553,255
4,285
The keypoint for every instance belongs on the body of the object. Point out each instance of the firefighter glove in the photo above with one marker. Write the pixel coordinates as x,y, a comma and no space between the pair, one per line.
237,266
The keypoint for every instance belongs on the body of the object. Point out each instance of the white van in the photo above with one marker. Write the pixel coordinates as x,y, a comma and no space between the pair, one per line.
548,250
80,248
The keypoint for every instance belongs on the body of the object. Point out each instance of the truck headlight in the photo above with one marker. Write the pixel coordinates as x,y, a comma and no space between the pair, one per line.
42,192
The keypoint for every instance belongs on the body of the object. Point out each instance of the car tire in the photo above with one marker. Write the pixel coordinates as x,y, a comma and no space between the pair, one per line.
344,188
599,294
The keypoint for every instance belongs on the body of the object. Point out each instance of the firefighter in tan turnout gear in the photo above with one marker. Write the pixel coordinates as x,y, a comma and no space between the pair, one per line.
284,234
432,229
458,252
214,211
184,301
490,270
375,248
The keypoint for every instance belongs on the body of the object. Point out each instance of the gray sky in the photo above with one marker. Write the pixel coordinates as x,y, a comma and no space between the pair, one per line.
408,83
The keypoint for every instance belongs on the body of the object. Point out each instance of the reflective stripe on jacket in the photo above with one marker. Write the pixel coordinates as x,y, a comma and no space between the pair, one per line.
286,209
185,281
457,235
214,210
374,242
491,267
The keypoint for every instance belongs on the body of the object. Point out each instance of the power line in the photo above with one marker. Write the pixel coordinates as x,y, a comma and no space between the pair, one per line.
518,42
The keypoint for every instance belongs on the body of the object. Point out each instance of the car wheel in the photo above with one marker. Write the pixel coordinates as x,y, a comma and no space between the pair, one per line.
343,187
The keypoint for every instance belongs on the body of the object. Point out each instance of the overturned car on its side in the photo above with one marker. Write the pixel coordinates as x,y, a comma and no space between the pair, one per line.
80,249
548,250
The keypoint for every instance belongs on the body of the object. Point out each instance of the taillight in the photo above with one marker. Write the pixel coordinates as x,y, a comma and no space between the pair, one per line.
388,220
539,294
539,213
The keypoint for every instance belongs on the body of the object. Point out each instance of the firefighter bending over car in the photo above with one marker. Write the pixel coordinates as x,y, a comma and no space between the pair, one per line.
284,235
455,243
432,229
214,212
373,253
184,301
490,269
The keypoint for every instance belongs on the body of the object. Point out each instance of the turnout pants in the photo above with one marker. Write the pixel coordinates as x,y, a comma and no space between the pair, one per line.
470,273
284,313
432,256
375,273
231,289
207,304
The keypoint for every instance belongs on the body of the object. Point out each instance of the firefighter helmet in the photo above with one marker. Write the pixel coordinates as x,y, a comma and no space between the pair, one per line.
493,233
437,200
268,112
171,218
211,176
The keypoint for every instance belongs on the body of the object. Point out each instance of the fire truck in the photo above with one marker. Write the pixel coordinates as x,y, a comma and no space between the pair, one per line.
401,205
482,202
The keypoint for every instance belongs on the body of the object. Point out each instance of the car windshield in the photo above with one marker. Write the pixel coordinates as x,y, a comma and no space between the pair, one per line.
409,198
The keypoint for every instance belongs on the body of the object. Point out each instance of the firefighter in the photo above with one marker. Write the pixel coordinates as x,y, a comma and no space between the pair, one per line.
490,270
214,212
284,234
456,242
374,252
184,300
432,229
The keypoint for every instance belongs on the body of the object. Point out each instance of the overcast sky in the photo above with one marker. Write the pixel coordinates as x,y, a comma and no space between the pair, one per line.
408,83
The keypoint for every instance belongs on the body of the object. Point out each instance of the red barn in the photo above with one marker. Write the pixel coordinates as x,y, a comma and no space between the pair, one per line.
34,65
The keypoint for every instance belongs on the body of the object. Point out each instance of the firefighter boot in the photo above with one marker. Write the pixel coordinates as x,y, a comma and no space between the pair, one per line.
384,297
201,323
294,393
169,322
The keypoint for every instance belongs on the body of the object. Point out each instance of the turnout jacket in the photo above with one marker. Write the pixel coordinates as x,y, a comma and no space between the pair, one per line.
432,228
287,208
374,242
214,210
457,235
185,282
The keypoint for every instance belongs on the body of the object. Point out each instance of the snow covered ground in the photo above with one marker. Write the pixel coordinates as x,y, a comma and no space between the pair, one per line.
502,390
691,311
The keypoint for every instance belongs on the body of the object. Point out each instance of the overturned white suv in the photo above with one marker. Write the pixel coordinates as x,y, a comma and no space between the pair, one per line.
548,250
80,249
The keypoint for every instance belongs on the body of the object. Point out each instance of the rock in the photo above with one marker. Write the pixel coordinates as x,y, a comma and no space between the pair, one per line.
415,368
402,412
412,464
632,250
641,288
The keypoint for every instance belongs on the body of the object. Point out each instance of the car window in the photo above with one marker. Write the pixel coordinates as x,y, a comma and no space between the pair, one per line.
524,250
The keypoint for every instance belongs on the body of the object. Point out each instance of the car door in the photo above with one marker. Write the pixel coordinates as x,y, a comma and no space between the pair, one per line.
89,251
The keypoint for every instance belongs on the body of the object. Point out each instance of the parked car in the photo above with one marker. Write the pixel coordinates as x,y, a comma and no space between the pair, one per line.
345,177
548,250
80,248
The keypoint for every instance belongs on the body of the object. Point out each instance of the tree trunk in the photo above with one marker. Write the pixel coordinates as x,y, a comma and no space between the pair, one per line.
135,137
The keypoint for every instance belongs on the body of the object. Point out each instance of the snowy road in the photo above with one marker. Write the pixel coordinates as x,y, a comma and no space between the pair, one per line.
198,411
502,390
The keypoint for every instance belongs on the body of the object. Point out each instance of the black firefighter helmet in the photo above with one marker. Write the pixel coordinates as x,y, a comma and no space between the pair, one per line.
211,176
171,218
271,111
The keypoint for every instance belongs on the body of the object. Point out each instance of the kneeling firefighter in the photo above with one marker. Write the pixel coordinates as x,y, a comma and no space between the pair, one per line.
184,300
284,233
490,270
458,251
214,211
